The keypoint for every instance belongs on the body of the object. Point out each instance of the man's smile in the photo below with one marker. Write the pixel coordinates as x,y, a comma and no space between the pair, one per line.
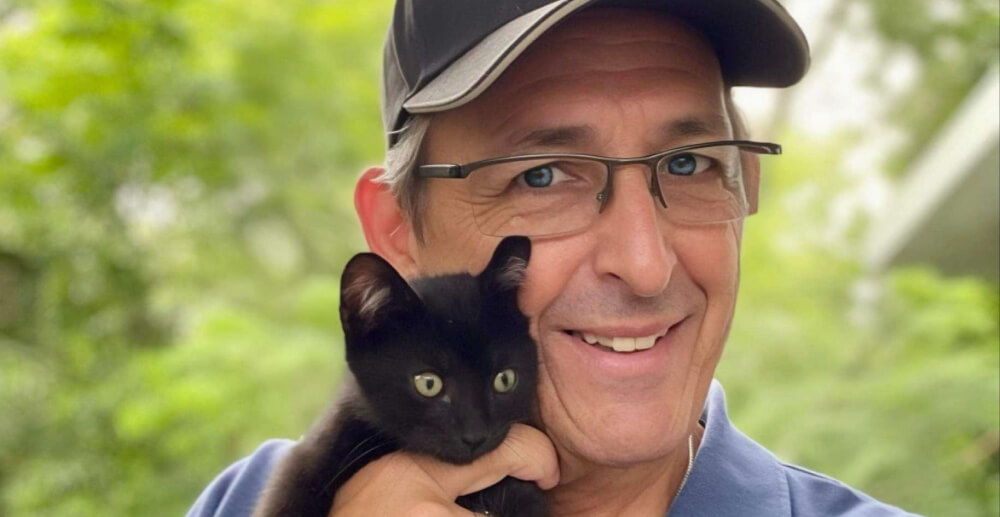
622,353
620,344
621,339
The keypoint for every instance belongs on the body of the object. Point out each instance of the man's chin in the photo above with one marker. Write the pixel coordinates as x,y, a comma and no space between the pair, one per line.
619,451
619,438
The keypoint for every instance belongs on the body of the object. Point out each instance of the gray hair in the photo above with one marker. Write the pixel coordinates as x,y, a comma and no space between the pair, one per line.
401,161
741,131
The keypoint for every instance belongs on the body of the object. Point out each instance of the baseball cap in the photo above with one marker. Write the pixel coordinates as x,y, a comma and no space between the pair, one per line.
441,54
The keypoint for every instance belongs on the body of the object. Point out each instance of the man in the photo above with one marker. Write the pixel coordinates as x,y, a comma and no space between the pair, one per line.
635,263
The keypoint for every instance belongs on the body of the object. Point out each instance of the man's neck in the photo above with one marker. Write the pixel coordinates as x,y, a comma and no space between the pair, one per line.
592,490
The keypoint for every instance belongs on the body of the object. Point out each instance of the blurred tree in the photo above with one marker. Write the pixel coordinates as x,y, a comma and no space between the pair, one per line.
890,385
954,42
950,44
174,197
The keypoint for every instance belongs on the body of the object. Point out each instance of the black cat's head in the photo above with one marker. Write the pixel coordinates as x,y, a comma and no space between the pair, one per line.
446,366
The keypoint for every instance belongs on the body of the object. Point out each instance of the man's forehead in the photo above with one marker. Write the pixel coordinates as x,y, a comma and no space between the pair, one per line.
584,137
546,98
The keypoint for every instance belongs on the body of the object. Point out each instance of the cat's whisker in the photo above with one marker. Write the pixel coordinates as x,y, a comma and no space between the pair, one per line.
503,497
361,443
353,461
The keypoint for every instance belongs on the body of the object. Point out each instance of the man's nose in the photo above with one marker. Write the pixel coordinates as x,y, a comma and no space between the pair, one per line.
634,245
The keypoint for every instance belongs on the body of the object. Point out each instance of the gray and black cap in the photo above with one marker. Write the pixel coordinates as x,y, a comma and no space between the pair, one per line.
440,54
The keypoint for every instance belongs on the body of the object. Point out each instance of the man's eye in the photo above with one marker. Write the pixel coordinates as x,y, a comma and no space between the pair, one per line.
687,164
539,177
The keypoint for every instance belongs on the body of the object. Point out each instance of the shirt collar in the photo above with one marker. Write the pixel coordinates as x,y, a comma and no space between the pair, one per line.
732,475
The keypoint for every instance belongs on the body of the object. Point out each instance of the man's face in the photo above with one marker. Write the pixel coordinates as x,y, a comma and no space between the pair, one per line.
637,83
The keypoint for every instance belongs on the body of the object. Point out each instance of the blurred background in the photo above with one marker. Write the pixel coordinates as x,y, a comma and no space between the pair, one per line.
175,210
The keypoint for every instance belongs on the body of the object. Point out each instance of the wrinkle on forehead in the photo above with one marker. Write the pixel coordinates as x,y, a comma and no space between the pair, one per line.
594,65
617,81
559,93
562,62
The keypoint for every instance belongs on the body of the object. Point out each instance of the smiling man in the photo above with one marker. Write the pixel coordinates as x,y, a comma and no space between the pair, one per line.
606,132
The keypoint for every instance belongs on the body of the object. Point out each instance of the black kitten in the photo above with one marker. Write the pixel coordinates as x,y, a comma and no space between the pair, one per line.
443,368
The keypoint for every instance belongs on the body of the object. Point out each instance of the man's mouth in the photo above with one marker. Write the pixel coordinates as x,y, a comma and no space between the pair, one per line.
619,343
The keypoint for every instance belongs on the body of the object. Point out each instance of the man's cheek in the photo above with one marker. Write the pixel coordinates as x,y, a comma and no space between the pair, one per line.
711,257
554,263
459,248
542,284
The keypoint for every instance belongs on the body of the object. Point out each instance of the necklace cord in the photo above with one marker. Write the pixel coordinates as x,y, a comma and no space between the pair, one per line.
687,473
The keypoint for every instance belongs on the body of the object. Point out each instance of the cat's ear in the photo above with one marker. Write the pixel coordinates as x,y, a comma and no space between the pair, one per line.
371,292
507,268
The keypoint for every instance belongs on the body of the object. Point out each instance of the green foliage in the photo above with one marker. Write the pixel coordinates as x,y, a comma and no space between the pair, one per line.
175,181
954,42
175,207
888,384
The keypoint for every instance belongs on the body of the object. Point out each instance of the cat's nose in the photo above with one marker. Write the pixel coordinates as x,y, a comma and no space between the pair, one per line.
473,440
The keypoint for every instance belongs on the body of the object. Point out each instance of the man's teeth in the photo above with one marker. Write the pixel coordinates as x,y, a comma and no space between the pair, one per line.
645,343
621,344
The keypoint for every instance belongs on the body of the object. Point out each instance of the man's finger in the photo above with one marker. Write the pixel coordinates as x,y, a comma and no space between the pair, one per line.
526,453
540,462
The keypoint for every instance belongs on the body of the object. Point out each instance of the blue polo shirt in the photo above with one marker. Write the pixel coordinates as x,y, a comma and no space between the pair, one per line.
732,476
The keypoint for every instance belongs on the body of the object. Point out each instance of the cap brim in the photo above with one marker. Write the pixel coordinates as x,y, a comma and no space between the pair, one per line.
758,44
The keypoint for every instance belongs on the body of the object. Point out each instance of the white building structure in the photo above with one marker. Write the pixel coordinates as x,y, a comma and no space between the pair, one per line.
946,210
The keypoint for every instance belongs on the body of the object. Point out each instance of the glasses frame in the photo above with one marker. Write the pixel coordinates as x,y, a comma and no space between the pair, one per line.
461,171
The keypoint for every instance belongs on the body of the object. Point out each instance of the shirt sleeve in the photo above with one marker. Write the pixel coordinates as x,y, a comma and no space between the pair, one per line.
816,494
234,492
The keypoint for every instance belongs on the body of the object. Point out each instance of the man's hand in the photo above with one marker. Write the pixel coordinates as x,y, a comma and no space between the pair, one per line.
413,485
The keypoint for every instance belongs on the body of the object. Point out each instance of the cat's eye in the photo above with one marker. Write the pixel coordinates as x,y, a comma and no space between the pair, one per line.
505,381
427,384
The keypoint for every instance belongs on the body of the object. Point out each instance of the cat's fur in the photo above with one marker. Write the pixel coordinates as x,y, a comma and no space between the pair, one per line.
464,328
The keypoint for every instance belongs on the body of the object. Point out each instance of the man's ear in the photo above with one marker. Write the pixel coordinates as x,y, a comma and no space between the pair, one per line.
387,230
751,180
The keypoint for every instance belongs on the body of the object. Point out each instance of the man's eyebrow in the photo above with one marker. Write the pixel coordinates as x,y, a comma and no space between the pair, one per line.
579,136
714,125
560,136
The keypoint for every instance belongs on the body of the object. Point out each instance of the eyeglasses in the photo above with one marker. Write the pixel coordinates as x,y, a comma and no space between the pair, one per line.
551,194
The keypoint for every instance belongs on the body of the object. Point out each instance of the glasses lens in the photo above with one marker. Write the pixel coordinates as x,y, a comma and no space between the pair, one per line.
551,196
703,185
536,197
